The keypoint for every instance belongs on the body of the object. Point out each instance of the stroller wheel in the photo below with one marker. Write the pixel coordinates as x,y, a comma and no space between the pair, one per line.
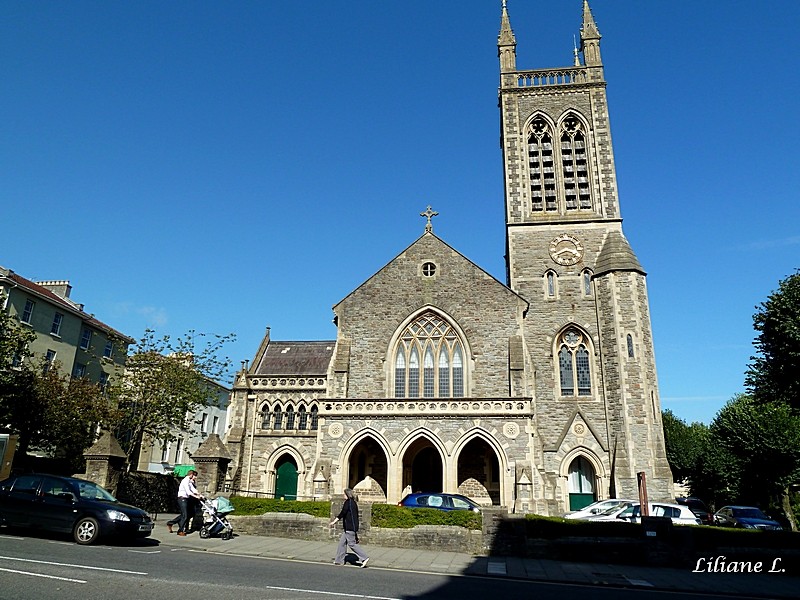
227,535
204,534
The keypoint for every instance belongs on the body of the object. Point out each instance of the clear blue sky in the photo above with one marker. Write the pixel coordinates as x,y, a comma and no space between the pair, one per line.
227,166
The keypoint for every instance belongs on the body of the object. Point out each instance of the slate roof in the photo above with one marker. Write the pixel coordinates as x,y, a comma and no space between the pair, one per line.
295,358
617,255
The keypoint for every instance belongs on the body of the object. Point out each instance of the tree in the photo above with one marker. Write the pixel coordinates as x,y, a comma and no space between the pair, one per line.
683,444
165,383
774,373
765,439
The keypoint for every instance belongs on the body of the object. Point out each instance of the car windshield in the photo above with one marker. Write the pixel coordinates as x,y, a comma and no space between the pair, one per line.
749,513
92,491
612,509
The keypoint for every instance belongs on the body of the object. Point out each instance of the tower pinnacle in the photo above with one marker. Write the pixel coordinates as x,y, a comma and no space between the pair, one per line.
590,38
506,43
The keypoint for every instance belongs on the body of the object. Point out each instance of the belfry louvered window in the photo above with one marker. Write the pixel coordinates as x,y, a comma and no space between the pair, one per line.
575,165
542,167
432,341
573,364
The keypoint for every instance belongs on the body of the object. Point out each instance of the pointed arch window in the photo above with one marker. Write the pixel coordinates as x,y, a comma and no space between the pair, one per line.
290,417
550,284
277,418
541,167
573,364
586,281
575,164
433,341
302,418
266,417
314,418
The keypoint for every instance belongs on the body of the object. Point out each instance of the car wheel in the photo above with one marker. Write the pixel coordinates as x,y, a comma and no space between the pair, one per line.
86,531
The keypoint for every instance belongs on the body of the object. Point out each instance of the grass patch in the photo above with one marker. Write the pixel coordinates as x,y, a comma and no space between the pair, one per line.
399,517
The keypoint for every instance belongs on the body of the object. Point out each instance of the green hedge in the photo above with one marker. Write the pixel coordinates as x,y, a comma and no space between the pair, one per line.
259,506
389,515
549,528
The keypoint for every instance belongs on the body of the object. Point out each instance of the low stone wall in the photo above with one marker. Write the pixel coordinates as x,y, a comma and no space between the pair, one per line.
300,526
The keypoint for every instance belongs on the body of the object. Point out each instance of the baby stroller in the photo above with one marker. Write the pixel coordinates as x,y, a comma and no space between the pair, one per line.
214,521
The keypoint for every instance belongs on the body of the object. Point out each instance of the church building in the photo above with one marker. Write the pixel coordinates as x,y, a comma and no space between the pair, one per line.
538,394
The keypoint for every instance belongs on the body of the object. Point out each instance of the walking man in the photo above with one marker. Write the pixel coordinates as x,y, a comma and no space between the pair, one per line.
187,497
349,518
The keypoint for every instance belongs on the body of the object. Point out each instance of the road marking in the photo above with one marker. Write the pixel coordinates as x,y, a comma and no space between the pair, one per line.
58,564
145,551
41,575
348,594
496,567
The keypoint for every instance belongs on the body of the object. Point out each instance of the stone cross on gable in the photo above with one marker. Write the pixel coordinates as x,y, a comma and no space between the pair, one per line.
429,214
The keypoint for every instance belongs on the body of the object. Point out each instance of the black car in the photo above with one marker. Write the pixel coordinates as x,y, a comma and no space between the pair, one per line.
699,508
439,501
748,517
69,505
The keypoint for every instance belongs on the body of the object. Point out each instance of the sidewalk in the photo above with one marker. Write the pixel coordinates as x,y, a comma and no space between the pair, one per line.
757,585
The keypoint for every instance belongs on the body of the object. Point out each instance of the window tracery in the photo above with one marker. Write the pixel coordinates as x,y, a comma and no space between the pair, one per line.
573,363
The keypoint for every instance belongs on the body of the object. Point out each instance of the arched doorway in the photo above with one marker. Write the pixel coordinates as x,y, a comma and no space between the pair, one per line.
478,462
368,460
422,467
286,478
581,483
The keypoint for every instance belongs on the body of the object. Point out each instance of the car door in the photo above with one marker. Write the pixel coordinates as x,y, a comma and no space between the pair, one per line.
22,503
57,504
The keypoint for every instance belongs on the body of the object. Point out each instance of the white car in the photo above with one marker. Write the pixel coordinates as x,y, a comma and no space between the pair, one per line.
680,514
596,508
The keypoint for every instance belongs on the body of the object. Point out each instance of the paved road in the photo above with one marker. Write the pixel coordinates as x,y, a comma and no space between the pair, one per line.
47,568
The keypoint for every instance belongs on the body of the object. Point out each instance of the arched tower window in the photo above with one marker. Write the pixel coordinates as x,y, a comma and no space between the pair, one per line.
541,167
586,282
573,363
434,342
550,283
575,165
630,346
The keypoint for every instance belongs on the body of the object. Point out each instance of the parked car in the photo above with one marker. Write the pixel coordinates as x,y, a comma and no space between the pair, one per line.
597,508
439,501
748,517
679,514
699,508
69,505
611,513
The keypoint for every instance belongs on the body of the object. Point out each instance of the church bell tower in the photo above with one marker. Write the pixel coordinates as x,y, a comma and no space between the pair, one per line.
587,331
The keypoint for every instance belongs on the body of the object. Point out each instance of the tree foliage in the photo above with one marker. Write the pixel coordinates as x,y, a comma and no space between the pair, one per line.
684,445
165,382
774,373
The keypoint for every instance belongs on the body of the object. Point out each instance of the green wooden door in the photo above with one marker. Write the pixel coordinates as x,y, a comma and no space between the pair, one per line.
286,479
581,484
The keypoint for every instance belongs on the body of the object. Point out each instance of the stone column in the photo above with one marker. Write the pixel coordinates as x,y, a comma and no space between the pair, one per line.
105,462
211,462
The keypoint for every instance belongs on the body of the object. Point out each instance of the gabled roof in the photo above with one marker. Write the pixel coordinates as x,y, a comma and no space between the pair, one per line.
449,248
77,309
295,358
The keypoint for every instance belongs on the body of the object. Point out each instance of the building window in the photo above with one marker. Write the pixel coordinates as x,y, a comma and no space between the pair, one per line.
290,417
108,351
215,425
573,364
179,451
314,418
78,371
165,448
587,282
204,424
49,359
431,340
550,284
303,418
541,167
277,422
630,346
575,165
429,269
103,381
27,313
55,328
265,418
86,339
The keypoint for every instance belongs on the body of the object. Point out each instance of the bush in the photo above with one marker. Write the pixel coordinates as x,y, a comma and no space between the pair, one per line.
153,492
258,506
549,528
391,516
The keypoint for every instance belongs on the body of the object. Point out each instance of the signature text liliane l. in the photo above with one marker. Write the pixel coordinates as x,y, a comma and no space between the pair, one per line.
720,564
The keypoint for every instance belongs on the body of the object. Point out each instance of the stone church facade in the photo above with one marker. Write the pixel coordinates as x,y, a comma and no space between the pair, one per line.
538,394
